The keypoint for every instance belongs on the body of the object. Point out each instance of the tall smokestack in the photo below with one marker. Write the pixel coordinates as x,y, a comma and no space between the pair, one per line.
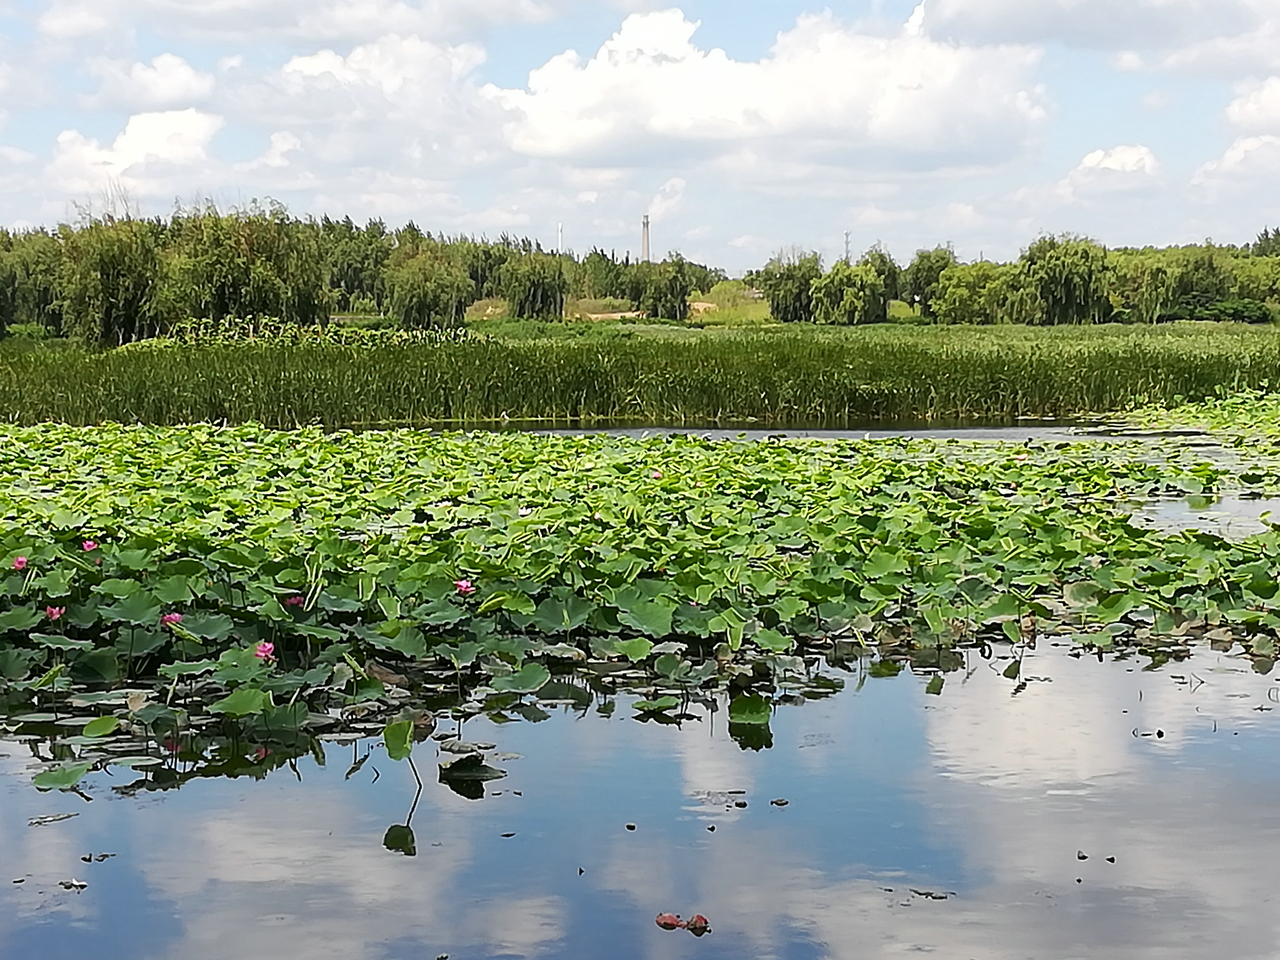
644,241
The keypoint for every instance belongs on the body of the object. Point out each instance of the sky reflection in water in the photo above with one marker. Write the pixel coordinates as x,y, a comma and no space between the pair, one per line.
978,794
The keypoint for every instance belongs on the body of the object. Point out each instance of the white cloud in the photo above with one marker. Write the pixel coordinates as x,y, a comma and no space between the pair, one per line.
667,200
1249,163
1258,106
824,90
390,65
168,81
139,159
1101,175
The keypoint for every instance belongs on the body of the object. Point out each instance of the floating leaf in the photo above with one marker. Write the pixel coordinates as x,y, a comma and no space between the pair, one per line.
65,777
244,702
101,727
530,678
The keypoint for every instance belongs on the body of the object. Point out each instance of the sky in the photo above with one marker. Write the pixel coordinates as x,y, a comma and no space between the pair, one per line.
740,127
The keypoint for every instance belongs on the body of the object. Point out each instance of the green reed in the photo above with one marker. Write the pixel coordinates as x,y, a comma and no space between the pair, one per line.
794,376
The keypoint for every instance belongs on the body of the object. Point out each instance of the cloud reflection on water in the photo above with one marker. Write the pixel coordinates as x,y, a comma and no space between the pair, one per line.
977,792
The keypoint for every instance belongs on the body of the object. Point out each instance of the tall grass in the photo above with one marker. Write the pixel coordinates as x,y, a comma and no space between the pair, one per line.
783,376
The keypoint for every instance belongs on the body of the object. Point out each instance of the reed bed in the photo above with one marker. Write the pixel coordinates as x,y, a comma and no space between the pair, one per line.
776,376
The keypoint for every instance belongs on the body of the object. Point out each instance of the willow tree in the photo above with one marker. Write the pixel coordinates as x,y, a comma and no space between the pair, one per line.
787,283
429,290
1070,276
113,281
249,264
850,295
661,290
920,279
534,286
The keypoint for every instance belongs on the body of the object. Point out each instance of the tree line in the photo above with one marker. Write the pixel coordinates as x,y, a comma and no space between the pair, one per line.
1057,280
118,279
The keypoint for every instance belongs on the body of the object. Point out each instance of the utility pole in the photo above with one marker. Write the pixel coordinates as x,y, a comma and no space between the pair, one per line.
644,241
846,247
560,238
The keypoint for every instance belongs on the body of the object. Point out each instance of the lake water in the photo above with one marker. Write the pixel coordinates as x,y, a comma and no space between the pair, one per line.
952,826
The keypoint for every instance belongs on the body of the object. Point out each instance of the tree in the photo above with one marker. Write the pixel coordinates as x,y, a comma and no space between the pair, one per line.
357,261
1144,287
534,286
661,290
1267,244
1070,276
113,281
879,259
252,263
849,295
787,283
961,294
600,276
920,279
429,290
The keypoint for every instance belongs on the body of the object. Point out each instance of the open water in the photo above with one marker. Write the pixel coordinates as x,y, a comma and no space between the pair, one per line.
1093,808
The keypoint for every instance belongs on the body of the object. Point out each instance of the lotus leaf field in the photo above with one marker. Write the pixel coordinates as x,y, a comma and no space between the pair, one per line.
241,581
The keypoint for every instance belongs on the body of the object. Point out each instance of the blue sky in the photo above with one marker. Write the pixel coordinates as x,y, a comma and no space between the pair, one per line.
741,127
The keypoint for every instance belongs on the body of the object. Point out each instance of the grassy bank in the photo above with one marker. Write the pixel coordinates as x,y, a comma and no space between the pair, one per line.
772,375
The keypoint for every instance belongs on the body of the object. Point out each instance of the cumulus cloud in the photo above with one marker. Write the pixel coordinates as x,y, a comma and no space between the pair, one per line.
1258,106
141,159
1248,163
1121,169
167,81
824,90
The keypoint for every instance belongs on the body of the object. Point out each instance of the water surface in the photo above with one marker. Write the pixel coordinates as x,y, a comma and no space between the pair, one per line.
948,825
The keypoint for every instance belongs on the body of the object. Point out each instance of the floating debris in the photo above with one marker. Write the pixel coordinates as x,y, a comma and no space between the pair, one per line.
45,821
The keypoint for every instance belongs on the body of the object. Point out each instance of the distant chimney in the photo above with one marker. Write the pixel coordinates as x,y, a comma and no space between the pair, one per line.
644,241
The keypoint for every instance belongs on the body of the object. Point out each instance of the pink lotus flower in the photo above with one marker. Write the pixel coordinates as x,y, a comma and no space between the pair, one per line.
265,651
295,601
55,613
89,546
19,563
465,587
657,474
169,619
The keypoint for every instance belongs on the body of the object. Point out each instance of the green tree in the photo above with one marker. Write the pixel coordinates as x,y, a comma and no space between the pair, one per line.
961,295
880,260
1070,276
249,264
113,281
599,276
920,279
787,283
535,286
850,295
1267,244
429,290
661,290
357,261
